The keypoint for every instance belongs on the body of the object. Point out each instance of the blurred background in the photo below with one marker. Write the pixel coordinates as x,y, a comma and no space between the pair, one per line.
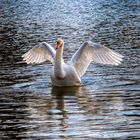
106,106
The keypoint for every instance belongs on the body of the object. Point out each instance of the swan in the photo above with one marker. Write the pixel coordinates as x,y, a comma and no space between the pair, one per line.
70,73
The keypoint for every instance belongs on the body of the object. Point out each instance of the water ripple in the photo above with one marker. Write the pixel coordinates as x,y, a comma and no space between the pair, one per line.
106,106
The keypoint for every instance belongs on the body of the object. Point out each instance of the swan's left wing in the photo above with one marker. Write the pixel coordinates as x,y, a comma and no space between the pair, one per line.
98,53
39,54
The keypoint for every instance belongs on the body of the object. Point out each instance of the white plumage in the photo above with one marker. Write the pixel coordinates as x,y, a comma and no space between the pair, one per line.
70,74
40,54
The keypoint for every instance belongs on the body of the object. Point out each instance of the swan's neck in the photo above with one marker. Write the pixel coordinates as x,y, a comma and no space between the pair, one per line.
59,55
59,64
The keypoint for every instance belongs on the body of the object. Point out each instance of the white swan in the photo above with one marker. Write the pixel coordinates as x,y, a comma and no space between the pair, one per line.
69,74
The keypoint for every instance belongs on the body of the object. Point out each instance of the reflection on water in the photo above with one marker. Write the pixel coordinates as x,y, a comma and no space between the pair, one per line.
106,106
69,113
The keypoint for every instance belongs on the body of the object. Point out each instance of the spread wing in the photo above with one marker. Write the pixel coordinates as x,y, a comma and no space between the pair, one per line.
40,54
98,53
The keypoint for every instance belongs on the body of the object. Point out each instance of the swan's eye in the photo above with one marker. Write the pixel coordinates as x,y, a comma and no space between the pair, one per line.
58,44
57,41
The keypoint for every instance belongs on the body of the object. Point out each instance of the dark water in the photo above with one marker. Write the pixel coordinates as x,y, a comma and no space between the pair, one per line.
107,106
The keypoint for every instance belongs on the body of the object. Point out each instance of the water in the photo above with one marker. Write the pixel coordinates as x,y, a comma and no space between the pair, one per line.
105,107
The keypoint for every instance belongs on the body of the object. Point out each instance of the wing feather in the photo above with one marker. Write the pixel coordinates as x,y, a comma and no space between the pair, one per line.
40,54
98,53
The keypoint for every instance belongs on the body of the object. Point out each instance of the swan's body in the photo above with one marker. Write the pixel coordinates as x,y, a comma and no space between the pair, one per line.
69,74
70,79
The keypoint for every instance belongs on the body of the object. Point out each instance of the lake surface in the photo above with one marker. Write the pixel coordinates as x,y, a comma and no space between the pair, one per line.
106,106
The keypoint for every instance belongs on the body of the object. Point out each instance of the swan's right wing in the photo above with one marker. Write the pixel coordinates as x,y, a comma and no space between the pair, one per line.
40,54
97,53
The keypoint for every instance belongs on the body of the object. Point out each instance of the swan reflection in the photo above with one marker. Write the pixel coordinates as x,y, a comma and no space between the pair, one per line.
88,100
72,109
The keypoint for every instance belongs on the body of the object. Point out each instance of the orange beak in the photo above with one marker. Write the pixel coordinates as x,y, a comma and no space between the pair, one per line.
57,46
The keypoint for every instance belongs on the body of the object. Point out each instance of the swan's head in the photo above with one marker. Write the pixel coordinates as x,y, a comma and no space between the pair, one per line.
59,43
